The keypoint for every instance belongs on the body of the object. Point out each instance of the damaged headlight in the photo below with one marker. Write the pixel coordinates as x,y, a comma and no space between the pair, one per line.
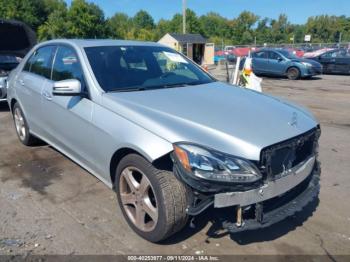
215,166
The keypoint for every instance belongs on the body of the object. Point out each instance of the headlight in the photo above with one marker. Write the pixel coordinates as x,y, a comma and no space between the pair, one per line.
215,166
306,64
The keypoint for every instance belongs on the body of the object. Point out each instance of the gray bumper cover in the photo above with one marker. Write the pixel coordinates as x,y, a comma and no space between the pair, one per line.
290,179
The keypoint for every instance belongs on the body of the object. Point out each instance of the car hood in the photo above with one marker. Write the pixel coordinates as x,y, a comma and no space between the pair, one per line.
312,62
227,118
16,38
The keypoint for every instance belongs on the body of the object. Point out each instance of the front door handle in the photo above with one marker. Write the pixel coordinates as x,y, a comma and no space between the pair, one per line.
21,82
47,96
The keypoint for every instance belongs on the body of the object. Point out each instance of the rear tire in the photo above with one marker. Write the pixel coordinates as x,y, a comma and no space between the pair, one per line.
293,73
162,206
22,128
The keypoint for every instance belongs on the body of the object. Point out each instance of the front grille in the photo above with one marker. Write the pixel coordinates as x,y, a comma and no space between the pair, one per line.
278,158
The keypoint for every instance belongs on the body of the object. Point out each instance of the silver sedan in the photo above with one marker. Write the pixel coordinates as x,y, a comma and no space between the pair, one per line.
165,135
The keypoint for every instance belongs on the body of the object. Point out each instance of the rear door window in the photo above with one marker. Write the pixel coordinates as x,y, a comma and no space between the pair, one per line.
261,55
274,56
40,63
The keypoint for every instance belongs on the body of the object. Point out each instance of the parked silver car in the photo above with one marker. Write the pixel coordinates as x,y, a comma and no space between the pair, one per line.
165,135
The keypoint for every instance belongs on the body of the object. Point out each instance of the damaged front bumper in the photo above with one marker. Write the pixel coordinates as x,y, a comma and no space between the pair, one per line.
279,208
269,203
271,189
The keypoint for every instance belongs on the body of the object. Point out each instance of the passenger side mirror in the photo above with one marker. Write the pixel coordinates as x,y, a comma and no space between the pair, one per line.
69,87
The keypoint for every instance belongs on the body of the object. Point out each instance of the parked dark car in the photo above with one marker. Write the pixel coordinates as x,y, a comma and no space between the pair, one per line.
335,61
16,40
281,62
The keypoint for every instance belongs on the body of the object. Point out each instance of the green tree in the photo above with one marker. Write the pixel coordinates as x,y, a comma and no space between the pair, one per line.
243,32
323,28
119,25
55,26
280,29
81,20
32,12
263,31
143,20
193,26
163,27
213,24
85,20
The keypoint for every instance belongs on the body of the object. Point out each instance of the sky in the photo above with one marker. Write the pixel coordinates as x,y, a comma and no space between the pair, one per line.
297,10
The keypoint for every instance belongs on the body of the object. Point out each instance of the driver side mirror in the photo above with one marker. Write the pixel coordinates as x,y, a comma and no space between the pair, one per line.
280,59
69,87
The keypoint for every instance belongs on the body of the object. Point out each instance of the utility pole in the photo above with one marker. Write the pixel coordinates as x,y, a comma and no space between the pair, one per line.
184,16
339,38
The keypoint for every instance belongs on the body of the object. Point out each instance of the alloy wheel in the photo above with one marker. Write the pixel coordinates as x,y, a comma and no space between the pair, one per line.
138,199
293,73
20,124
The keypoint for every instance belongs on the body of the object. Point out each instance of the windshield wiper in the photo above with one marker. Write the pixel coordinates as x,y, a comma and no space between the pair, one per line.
173,85
128,89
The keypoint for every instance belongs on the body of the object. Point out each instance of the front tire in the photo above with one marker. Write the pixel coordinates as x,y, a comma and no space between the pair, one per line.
293,73
152,201
22,128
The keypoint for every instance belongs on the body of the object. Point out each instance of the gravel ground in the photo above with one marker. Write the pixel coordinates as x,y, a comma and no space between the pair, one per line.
49,205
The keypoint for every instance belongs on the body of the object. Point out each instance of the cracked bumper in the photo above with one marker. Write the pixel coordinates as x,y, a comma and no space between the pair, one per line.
271,189
279,208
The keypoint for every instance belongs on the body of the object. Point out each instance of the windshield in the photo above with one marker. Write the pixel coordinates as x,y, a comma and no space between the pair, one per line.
129,68
288,54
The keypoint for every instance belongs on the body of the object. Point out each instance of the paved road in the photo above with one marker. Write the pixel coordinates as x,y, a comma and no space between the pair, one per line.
49,205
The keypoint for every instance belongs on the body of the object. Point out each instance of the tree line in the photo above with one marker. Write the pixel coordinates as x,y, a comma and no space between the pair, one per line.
82,19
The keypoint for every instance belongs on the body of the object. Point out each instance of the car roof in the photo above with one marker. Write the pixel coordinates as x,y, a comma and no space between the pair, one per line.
82,43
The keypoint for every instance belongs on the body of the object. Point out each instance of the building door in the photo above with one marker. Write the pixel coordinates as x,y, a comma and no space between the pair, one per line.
209,53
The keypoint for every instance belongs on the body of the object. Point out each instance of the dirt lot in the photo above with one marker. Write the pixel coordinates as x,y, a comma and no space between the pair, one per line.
49,205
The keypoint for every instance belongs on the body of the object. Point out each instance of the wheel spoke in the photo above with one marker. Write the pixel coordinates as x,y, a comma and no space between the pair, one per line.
150,209
140,217
128,198
144,185
130,180
17,114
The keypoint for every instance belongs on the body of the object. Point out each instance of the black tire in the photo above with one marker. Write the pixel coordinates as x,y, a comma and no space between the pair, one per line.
293,73
27,138
171,196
